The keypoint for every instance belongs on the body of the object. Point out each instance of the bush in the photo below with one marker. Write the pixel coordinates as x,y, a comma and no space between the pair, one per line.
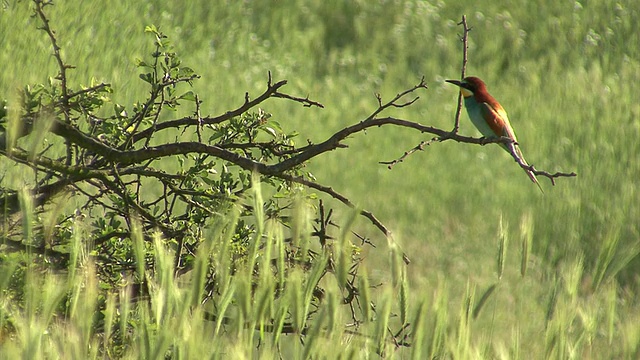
152,221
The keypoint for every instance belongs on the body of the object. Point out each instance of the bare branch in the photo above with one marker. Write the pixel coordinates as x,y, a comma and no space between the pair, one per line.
419,147
393,102
133,156
272,90
306,102
89,90
62,67
530,167
465,49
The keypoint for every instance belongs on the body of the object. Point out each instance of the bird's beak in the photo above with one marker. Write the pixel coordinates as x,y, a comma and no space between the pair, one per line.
464,87
455,82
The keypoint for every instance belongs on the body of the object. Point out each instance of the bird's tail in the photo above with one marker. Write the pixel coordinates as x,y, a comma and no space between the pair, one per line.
530,173
533,178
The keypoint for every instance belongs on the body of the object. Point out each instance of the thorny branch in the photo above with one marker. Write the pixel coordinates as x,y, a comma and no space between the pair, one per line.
62,75
419,147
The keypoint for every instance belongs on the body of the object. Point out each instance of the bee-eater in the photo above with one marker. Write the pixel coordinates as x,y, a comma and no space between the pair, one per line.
488,115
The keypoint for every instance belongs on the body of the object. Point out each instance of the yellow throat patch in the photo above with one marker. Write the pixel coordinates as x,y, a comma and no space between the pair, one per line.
465,92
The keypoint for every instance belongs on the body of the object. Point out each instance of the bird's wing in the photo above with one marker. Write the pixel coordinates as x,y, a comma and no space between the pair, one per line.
499,122
497,119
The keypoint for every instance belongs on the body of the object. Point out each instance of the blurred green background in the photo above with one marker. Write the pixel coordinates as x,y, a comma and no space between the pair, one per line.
567,72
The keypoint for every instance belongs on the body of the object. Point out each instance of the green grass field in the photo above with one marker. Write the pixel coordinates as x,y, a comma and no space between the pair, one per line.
568,73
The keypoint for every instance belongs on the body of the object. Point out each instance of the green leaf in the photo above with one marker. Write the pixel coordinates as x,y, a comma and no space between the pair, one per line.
275,125
215,136
151,29
269,131
142,63
189,96
187,70
147,77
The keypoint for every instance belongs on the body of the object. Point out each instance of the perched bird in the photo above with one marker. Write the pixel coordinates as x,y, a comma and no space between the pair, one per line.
488,115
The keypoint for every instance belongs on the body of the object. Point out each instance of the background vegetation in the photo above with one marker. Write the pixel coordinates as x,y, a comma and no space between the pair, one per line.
568,73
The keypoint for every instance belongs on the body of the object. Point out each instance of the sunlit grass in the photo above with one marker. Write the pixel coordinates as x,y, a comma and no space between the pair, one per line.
486,322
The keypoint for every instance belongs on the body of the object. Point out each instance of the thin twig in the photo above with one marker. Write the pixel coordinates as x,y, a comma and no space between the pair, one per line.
199,117
393,102
419,147
456,126
530,167
62,75
88,90
465,50
306,102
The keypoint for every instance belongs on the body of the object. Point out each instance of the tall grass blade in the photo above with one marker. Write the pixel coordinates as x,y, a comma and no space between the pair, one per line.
404,301
26,205
344,248
258,205
611,302
109,318
223,305
464,324
419,333
382,323
365,295
502,246
138,248
552,302
483,299
313,278
312,337
440,323
526,231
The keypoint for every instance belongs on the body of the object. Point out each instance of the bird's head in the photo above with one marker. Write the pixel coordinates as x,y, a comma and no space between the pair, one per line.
469,85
